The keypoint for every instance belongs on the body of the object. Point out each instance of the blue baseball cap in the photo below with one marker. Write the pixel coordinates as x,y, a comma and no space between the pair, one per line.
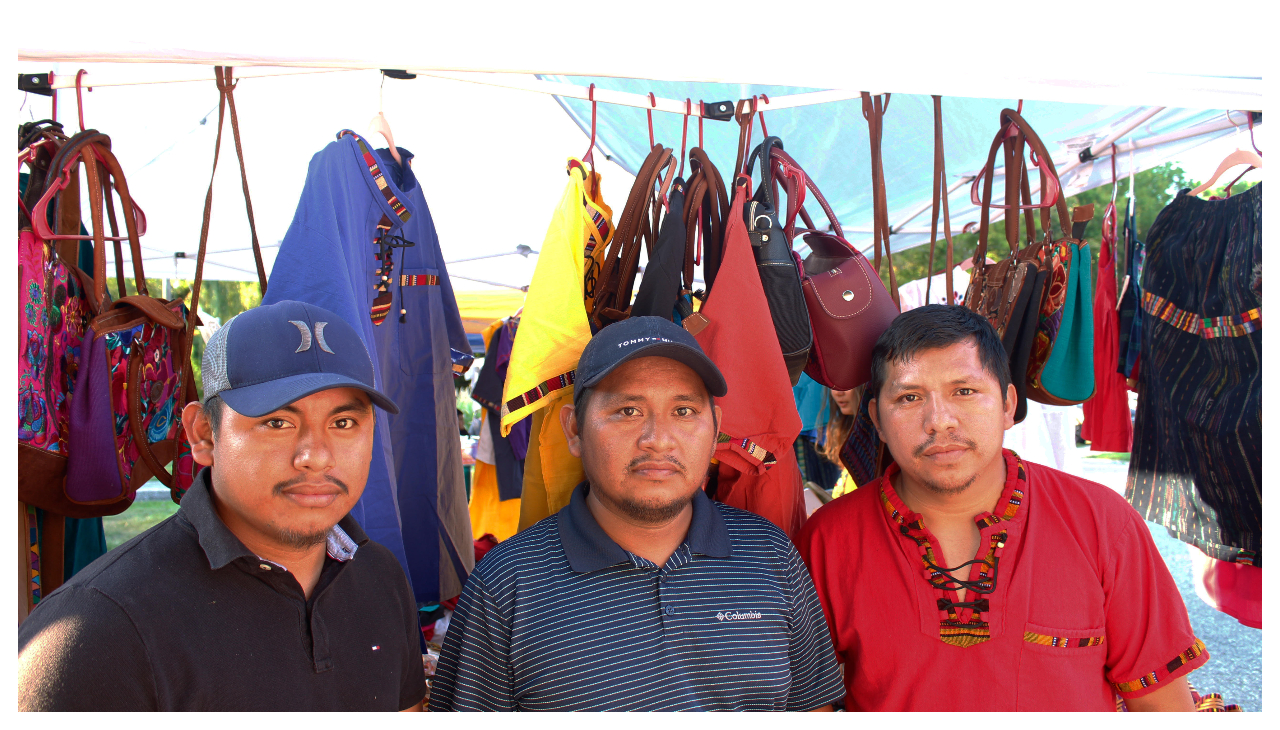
643,337
267,357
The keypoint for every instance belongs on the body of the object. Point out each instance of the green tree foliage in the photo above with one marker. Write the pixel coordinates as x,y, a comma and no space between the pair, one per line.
221,299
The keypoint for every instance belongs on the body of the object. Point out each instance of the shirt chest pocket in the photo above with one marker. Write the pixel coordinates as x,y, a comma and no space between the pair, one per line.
418,294
1063,669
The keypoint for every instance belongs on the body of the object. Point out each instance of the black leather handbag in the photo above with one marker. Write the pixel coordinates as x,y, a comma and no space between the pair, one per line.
779,267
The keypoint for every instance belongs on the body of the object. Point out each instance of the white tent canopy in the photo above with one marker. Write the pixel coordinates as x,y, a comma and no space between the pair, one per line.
491,159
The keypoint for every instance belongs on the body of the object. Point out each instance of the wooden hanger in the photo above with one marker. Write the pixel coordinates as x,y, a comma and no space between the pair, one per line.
1239,157
379,125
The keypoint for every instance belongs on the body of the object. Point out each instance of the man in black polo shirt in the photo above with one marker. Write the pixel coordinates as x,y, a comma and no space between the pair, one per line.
642,593
261,592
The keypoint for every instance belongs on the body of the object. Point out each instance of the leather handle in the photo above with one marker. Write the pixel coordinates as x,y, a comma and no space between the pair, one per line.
227,86
873,109
617,274
705,208
116,174
940,200
155,310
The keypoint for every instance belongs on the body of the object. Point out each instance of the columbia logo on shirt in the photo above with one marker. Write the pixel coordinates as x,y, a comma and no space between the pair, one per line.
738,615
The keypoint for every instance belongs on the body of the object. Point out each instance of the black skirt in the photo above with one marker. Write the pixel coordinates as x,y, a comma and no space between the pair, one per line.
1197,448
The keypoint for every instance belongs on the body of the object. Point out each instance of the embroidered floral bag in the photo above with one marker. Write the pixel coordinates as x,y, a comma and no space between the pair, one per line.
124,395
52,315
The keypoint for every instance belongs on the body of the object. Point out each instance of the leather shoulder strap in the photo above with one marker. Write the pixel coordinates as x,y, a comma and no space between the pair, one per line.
617,274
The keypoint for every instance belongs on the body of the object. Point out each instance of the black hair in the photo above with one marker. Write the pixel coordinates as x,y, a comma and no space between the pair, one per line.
213,409
935,326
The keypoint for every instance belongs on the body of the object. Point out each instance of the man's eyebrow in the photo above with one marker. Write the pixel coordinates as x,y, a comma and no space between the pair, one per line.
354,405
625,398
357,406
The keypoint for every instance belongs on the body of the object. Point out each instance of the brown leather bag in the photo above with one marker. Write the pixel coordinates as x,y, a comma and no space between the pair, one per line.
848,305
640,221
1012,293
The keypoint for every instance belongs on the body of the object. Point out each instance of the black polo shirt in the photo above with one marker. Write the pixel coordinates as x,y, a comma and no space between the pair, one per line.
185,617
560,617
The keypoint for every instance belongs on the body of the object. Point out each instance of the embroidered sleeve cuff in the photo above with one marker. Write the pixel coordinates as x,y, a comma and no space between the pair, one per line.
1191,659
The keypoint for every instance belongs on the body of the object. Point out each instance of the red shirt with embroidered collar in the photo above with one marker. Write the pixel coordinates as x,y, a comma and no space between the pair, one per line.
1074,606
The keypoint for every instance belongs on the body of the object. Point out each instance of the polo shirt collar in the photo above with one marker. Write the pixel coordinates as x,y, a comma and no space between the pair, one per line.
589,548
221,546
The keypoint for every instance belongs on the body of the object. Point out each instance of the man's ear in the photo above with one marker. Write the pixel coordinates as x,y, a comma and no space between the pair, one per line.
199,432
718,415
569,422
1010,405
873,407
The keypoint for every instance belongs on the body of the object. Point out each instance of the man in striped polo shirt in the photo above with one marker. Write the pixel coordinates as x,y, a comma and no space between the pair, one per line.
642,593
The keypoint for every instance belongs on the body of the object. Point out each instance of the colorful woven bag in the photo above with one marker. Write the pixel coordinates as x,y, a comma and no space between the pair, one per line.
124,395
52,315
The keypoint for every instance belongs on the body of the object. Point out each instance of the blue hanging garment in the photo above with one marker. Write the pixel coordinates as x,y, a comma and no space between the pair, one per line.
362,244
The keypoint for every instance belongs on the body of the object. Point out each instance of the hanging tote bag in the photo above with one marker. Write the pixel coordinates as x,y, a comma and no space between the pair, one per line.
757,468
133,376
1060,368
777,265
53,311
849,307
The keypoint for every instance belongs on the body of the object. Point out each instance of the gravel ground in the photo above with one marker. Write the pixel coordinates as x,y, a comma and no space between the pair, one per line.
1234,669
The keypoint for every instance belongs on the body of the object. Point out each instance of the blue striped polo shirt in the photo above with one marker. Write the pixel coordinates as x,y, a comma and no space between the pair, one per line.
561,618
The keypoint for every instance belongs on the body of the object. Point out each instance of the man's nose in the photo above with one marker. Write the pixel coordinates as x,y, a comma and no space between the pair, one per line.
313,452
658,434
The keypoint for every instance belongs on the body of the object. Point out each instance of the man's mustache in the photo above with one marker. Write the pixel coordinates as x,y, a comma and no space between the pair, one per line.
933,441
669,459
302,479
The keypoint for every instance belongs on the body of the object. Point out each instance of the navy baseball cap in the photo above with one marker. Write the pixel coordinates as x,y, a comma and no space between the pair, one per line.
267,357
643,337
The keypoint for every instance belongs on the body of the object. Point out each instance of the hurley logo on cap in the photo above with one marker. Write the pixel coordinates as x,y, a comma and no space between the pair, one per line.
641,340
306,336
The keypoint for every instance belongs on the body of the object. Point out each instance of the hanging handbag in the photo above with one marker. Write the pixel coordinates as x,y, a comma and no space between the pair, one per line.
757,469
638,225
1031,322
848,306
1059,370
53,313
660,287
778,266
128,387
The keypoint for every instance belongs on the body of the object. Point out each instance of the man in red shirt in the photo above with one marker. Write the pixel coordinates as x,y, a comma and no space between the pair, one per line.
968,579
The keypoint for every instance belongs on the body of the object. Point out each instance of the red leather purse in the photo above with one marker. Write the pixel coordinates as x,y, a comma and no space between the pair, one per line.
849,307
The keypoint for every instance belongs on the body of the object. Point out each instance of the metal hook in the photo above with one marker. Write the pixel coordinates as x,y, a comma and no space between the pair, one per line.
79,99
653,104
763,127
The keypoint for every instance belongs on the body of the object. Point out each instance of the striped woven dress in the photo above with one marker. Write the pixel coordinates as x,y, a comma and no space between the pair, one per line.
1197,452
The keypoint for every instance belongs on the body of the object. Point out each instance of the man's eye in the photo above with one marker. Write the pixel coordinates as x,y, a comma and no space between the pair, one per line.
345,423
630,411
684,411
965,391
277,423
909,398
